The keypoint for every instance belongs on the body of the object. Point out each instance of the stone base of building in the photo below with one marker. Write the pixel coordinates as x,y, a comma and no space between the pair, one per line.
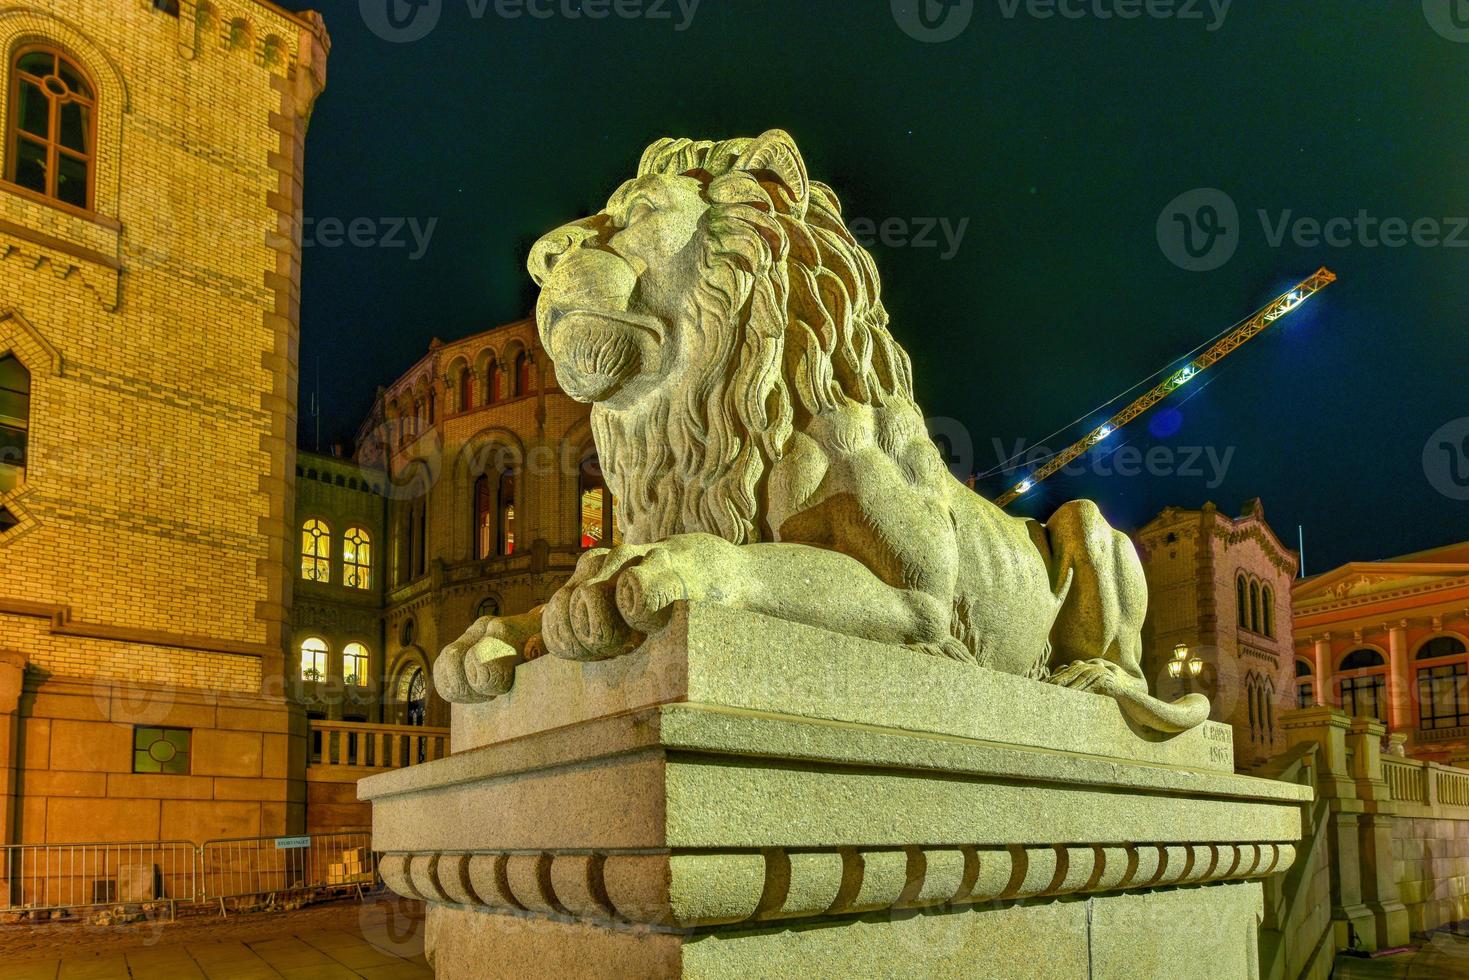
743,797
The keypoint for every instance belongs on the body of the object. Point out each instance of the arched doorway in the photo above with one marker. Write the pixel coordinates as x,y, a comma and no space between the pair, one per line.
413,693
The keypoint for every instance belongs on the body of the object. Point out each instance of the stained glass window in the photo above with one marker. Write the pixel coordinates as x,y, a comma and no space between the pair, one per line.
316,551
357,558
161,750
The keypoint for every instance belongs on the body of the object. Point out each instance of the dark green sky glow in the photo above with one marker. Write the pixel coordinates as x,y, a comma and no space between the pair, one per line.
1060,141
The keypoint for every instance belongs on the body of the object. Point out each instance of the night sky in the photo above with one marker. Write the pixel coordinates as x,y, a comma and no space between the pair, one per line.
1059,141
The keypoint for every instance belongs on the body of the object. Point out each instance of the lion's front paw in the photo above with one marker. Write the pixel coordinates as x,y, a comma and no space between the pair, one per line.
1096,676
480,665
619,597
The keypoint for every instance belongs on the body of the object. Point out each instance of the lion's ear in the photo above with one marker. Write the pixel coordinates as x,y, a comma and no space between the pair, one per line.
775,152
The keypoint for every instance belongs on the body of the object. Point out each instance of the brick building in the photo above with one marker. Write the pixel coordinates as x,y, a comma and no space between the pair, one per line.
475,485
1390,640
148,414
1220,586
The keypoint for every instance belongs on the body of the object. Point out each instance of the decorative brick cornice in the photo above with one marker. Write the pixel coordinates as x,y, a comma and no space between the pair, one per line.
656,890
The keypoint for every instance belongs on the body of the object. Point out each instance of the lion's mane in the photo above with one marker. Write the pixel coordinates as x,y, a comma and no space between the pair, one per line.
789,325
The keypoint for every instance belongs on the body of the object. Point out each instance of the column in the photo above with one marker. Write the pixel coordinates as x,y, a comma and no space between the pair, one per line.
12,674
1399,677
1323,669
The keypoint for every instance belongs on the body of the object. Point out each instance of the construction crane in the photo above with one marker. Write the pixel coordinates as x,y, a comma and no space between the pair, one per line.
1282,305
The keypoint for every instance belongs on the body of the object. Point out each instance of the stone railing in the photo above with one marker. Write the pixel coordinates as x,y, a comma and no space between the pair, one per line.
357,746
1392,839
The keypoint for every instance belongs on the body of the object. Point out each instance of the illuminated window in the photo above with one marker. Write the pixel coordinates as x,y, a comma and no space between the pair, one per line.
357,558
51,126
15,414
354,665
596,507
161,750
313,659
507,513
484,518
1443,684
316,551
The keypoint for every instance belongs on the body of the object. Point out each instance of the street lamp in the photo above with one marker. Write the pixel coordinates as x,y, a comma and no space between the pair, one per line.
1182,661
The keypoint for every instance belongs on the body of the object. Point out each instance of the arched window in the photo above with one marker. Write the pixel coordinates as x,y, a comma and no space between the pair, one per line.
313,659
1267,611
1363,684
1305,687
1254,606
316,551
1242,602
1443,684
522,374
597,514
506,506
433,405
465,386
357,558
408,632
355,665
488,606
492,381
1267,696
15,421
52,121
484,518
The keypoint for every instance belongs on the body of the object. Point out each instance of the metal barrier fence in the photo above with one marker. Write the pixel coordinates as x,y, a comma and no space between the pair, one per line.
50,877
57,877
250,866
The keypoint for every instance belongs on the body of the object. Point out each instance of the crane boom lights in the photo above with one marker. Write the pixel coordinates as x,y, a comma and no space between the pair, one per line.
1281,306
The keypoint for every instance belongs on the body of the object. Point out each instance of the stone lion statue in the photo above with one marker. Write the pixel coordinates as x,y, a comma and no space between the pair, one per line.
756,425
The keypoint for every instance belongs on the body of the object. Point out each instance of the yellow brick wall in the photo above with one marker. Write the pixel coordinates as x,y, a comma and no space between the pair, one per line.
146,583
155,440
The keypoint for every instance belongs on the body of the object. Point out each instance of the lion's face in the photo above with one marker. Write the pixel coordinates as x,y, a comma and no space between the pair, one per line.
616,289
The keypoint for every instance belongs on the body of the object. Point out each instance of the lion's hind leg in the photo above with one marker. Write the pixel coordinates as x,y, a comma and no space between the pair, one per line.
1102,616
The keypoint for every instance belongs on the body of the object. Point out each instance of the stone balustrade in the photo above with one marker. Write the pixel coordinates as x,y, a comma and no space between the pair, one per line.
367,746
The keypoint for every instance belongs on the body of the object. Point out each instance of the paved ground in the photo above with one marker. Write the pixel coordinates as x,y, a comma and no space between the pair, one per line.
380,938
1444,956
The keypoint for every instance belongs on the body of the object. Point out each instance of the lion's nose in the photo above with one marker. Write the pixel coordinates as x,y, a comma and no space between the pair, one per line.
548,251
